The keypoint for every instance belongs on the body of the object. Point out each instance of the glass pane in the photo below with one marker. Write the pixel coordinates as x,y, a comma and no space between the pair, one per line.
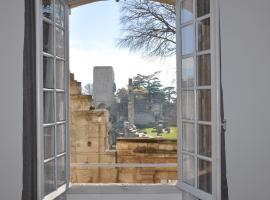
47,38
60,74
59,13
60,106
204,140
61,172
49,184
60,43
204,35
203,7
188,104
188,137
204,105
47,8
187,11
188,72
189,170
48,107
204,70
61,132
205,175
48,73
48,142
187,40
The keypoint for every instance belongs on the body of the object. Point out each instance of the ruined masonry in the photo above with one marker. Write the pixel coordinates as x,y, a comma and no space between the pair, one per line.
88,139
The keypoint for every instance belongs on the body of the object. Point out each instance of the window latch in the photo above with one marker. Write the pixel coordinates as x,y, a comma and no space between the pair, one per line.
224,124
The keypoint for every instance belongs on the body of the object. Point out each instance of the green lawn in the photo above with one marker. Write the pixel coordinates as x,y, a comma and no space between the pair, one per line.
171,135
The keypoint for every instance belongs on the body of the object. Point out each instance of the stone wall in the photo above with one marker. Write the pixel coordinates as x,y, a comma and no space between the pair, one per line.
88,139
147,151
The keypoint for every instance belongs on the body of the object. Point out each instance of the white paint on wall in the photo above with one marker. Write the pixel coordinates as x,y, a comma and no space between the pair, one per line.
245,42
11,98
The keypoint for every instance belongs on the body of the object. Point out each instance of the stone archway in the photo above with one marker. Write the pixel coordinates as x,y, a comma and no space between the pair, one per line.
76,3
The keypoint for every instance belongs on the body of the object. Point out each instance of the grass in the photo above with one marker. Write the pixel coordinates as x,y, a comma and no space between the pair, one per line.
171,135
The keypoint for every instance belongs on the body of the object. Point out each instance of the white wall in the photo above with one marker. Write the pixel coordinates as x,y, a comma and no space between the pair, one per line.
245,29
11,99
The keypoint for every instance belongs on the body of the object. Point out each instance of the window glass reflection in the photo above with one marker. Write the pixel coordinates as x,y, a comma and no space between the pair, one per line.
188,137
204,70
188,72
60,43
61,172
205,175
48,142
47,38
60,74
189,169
49,183
204,105
59,13
187,40
60,106
188,104
48,73
187,11
47,9
204,140
203,7
204,35
48,107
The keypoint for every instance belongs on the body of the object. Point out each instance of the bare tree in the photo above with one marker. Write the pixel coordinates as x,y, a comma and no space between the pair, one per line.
148,26
88,89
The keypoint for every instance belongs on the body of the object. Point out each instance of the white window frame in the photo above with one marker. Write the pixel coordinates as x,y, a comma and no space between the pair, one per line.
179,187
215,103
40,90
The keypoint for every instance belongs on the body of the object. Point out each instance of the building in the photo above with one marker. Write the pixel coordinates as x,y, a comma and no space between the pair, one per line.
103,91
239,96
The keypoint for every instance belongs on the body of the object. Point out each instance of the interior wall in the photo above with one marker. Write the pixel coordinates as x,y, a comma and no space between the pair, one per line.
245,50
11,98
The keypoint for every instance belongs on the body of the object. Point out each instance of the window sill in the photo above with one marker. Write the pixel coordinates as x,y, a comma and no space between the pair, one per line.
124,189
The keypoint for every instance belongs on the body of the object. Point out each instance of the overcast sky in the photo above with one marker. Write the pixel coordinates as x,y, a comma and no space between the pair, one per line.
94,29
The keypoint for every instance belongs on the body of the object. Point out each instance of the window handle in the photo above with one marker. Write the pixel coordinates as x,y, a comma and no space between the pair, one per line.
224,124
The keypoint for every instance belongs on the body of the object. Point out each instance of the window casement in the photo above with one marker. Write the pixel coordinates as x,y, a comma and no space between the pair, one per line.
52,95
198,86
198,89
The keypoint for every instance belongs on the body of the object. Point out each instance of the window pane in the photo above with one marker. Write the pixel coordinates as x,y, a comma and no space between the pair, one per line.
60,43
205,175
49,184
204,140
47,8
204,105
187,40
187,11
188,137
204,70
61,132
203,7
60,74
48,106
47,38
61,172
48,142
59,13
204,35
189,170
188,104
188,72
48,73
60,106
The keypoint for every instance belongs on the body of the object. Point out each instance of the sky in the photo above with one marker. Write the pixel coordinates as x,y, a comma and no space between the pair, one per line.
94,29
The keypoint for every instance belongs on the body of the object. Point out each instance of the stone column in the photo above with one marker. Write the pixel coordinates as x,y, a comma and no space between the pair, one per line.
130,103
